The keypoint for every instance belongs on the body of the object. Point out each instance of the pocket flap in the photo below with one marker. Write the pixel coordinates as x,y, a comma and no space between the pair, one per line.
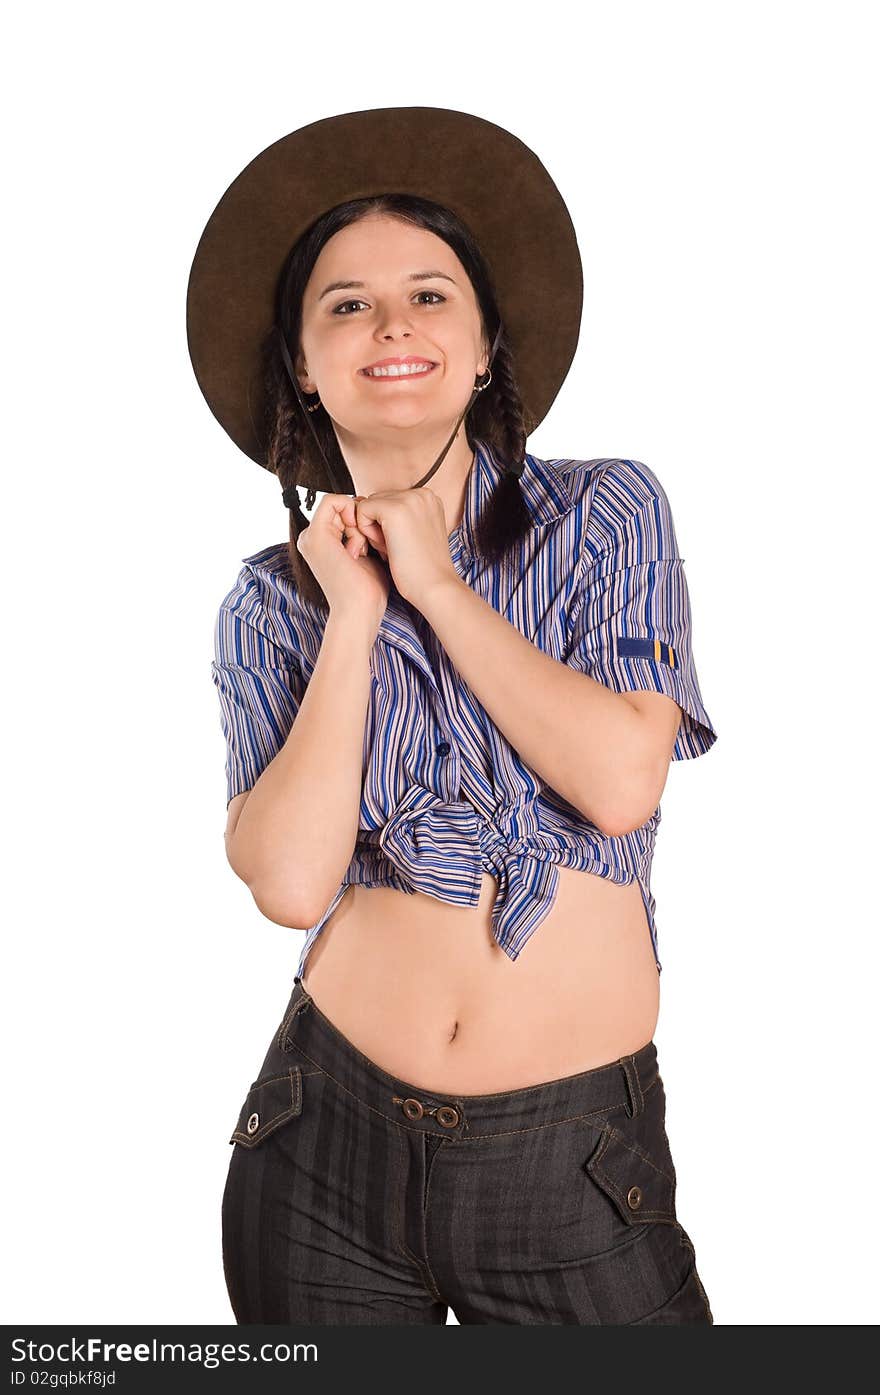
269,1104
640,1189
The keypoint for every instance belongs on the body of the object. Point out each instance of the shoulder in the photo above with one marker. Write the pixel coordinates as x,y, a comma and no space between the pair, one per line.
263,597
258,575
265,577
620,503
632,483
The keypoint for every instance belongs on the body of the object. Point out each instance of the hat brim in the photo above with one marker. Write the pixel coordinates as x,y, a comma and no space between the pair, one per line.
482,172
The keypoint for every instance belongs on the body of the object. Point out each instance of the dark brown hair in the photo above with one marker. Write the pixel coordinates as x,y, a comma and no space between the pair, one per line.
496,416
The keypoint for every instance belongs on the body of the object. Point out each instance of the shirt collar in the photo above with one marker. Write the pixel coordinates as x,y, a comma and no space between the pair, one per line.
544,489
548,498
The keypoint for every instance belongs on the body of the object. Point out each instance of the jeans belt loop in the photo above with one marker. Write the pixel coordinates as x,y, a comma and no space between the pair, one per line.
287,1031
636,1101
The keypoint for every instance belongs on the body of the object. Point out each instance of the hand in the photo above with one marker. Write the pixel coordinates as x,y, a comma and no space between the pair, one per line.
408,529
336,552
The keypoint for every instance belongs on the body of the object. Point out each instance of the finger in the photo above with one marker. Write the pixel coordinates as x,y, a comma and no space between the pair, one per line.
344,524
355,542
366,508
370,528
377,539
372,531
348,513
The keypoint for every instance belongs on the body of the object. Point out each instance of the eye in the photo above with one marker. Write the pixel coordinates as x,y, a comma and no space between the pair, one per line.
341,308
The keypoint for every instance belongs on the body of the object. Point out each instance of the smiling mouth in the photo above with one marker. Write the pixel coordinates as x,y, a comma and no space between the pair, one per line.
395,373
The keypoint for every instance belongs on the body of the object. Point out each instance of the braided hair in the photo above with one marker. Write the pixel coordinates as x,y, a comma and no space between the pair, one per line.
496,416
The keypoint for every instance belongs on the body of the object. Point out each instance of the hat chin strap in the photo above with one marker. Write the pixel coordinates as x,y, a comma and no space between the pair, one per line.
440,458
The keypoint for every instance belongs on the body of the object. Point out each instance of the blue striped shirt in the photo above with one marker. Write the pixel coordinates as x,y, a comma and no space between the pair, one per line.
597,582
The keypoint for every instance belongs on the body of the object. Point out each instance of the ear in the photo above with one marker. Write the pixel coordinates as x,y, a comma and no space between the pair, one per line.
302,373
485,348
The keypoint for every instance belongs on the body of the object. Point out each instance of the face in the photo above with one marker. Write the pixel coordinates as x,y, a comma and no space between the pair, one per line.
391,315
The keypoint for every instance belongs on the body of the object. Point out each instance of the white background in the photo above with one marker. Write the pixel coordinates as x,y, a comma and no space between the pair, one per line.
717,164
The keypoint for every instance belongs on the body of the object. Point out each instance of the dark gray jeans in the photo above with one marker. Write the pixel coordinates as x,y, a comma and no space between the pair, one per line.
355,1197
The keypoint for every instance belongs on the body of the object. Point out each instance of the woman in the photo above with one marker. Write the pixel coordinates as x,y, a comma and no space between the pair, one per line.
450,709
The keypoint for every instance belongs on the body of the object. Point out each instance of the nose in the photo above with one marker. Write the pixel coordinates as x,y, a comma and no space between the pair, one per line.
390,336
395,323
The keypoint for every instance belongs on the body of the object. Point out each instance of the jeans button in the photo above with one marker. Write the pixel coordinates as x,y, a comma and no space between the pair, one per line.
634,1198
412,1109
447,1116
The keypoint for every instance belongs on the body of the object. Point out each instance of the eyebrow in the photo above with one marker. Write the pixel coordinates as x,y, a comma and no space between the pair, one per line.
359,285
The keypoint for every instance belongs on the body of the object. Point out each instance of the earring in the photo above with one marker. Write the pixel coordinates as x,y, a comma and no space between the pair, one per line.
317,404
481,386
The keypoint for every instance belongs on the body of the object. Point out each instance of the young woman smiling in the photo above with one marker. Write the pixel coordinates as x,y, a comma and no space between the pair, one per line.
450,709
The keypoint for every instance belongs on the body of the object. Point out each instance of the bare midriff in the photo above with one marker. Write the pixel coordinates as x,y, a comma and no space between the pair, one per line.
423,989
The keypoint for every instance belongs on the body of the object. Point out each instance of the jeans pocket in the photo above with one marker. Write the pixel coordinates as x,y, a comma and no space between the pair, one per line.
270,1102
632,1162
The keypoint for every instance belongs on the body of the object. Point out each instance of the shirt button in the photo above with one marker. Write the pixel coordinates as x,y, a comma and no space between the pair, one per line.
443,748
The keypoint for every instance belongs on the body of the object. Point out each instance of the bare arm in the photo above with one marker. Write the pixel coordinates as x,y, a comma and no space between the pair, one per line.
295,832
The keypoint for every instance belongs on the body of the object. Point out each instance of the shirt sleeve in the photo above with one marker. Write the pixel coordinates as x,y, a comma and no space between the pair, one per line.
631,624
259,682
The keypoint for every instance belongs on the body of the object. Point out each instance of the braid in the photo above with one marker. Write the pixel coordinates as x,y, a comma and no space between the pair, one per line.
501,421
291,446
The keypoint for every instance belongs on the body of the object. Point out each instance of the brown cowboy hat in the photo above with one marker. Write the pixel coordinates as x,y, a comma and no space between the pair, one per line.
485,175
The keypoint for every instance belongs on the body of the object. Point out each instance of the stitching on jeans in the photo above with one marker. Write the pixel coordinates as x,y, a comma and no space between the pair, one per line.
614,1105
382,1115
634,1148
634,1085
290,1111
433,1164
298,1006
545,1084
533,1089
607,1183
318,1069
504,1133
399,1213
603,1109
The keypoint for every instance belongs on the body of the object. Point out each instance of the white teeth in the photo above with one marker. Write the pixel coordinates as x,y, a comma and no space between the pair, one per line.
398,370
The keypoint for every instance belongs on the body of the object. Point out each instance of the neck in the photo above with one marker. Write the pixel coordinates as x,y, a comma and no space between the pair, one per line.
386,465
